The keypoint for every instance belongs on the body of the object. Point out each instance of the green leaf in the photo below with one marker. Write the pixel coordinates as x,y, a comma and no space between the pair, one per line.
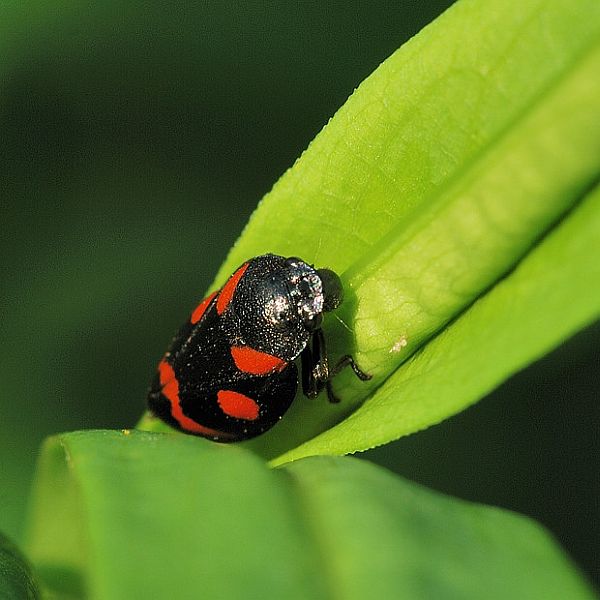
442,172
141,515
553,292
16,579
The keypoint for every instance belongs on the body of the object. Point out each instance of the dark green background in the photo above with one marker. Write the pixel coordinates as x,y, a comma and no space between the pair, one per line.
136,138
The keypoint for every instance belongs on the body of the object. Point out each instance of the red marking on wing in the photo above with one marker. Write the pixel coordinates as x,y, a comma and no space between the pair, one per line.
254,362
237,405
229,288
170,390
201,309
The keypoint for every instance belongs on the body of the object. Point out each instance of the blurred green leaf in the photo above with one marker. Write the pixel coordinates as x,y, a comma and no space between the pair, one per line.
168,516
442,172
16,579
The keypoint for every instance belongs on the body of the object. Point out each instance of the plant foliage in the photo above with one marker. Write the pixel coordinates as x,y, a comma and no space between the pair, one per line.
457,194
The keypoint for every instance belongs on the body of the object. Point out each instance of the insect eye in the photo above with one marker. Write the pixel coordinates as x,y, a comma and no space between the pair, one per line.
332,289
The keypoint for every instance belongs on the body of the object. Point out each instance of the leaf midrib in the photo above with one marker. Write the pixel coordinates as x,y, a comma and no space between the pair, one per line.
434,200
442,197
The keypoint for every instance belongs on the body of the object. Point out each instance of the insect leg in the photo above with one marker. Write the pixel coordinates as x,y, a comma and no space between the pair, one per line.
315,366
316,374
344,362
348,360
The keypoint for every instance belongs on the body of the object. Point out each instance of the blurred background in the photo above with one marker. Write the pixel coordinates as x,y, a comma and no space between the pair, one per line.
136,139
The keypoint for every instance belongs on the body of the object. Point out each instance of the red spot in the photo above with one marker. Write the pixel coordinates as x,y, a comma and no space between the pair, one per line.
254,362
170,390
229,288
201,309
237,405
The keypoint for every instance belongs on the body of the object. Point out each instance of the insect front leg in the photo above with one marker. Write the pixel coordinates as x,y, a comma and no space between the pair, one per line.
348,360
344,362
315,366
316,374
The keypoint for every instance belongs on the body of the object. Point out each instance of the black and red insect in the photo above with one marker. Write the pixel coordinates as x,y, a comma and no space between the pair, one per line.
230,374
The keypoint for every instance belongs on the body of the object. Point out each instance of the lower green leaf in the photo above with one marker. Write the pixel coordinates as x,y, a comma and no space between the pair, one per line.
142,515
16,578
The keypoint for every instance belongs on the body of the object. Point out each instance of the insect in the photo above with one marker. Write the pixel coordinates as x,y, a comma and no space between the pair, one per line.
230,374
